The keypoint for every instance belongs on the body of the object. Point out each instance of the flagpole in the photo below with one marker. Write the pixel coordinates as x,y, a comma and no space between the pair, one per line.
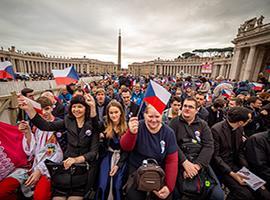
140,109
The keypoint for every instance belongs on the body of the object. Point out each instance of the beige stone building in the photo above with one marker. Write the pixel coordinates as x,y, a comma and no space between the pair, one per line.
251,56
38,63
252,50
219,66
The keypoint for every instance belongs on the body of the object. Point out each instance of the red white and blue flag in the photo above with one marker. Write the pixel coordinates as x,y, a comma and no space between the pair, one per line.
12,154
227,93
267,69
157,96
35,105
256,86
6,70
65,76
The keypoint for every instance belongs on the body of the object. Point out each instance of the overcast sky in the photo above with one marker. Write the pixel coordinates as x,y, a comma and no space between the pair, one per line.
150,28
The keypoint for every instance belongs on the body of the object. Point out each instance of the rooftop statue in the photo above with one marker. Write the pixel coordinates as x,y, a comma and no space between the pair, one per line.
250,24
260,21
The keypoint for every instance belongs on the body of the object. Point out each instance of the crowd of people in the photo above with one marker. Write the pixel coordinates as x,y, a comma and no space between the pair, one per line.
106,127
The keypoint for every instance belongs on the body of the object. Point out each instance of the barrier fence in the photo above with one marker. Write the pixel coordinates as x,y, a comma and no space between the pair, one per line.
9,91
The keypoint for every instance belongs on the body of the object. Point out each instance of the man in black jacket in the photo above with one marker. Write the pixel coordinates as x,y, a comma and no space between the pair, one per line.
258,155
188,126
256,125
202,112
131,109
229,157
215,112
101,105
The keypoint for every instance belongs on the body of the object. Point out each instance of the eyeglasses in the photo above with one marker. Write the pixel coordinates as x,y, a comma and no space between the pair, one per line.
188,106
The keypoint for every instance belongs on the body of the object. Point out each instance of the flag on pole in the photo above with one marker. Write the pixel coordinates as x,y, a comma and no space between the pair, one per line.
12,154
157,96
256,86
65,76
6,70
35,104
267,69
227,93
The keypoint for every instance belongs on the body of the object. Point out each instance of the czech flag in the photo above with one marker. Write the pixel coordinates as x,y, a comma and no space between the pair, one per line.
157,96
65,76
227,93
6,70
35,105
256,86
267,69
12,154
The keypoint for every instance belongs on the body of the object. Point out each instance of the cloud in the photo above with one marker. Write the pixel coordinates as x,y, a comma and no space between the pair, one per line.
150,28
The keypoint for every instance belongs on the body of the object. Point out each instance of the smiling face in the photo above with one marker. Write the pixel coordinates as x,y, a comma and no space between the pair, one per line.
153,119
78,110
114,114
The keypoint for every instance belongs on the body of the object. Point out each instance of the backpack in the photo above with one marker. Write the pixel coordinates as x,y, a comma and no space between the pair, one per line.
150,176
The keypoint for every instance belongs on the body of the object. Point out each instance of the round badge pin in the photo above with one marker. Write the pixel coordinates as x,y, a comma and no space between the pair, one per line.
88,132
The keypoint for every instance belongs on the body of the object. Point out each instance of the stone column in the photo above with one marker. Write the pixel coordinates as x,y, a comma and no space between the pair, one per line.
235,63
250,63
221,71
259,55
214,71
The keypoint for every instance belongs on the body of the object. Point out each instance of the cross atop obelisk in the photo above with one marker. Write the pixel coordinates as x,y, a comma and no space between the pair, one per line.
119,50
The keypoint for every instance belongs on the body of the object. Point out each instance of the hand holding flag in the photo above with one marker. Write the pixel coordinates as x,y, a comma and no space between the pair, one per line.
24,127
29,105
133,125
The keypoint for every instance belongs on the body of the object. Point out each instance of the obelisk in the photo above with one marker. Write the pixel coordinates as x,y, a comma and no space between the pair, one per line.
119,50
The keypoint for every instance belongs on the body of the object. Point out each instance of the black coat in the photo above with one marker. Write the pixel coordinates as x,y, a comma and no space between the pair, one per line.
228,155
84,143
105,104
203,113
214,117
58,110
257,123
133,109
258,155
179,125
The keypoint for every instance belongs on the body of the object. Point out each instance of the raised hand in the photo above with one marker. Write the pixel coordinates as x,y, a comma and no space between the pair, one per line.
24,127
89,99
133,125
23,103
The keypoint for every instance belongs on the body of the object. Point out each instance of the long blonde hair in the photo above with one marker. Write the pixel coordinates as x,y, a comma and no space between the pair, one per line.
122,126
